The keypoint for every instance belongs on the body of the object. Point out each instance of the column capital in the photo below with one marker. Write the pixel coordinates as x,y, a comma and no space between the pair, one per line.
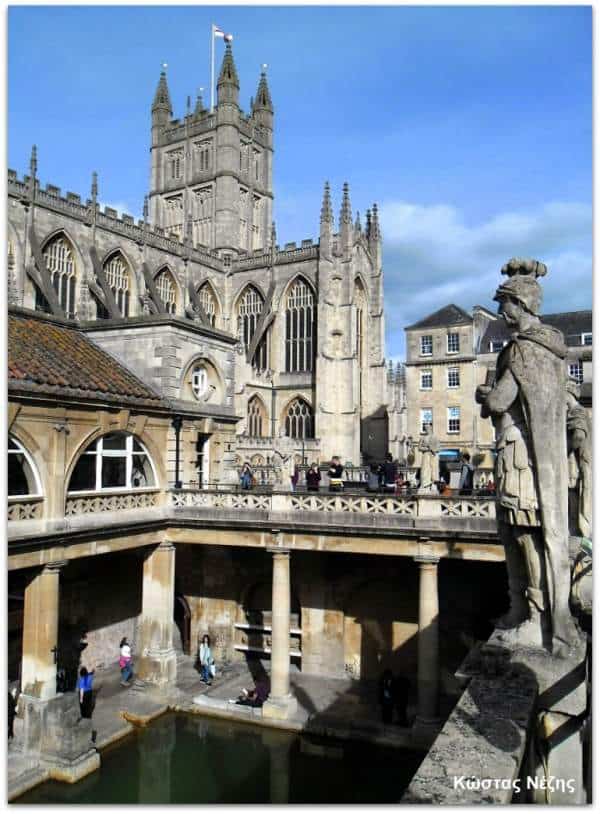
275,551
426,559
51,567
167,545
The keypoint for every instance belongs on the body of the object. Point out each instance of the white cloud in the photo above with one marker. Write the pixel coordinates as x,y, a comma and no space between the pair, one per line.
433,257
121,207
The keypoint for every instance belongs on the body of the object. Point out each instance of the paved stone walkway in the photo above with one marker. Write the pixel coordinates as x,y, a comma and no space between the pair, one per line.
332,707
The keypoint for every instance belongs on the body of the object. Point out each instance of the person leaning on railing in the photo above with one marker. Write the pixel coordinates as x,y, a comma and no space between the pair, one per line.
336,484
313,478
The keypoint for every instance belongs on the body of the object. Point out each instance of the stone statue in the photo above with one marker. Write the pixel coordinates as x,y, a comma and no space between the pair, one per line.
528,407
579,446
429,447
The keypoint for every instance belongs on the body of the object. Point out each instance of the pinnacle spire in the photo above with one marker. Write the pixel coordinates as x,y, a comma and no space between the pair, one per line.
346,209
375,233
357,223
94,187
33,162
326,210
263,99
199,109
162,98
228,74
273,236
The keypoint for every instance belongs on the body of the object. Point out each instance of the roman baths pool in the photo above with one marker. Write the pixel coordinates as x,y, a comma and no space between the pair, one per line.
194,759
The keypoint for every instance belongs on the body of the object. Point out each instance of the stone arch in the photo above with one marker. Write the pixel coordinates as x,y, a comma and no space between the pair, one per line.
173,307
254,602
31,451
279,303
144,438
215,378
257,418
132,277
246,322
67,284
207,284
242,290
302,402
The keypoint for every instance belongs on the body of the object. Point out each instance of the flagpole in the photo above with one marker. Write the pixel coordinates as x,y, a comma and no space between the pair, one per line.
212,67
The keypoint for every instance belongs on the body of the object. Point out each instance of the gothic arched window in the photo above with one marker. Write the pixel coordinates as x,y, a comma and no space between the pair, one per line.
167,290
58,256
299,329
257,417
249,310
299,420
208,302
119,279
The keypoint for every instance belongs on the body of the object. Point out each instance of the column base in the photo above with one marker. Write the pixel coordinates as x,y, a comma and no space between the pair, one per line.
425,730
157,667
54,731
281,708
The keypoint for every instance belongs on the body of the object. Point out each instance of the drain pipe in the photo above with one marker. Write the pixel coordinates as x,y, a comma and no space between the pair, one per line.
177,422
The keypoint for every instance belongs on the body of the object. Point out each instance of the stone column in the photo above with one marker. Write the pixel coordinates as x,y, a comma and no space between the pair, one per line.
428,669
40,633
52,726
157,663
280,703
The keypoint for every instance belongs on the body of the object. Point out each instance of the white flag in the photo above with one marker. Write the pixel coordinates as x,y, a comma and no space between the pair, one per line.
218,33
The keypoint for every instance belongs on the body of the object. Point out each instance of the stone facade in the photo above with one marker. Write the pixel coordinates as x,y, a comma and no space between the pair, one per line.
293,334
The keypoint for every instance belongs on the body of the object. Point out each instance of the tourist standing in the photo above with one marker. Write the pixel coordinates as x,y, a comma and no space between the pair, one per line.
294,474
313,478
206,660
390,473
12,711
84,687
336,483
246,477
373,479
465,485
386,696
125,662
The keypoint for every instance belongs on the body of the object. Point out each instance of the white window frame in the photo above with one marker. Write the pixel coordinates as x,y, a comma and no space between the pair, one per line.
101,453
448,372
451,350
36,475
453,418
430,338
424,420
583,338
493,342
427,372
199,371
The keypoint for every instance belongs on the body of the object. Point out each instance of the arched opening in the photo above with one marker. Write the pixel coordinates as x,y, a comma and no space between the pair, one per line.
118,277
254,625
182,616
22,476
113,462
209,303
249,309
167,290
257,420
299,328
59,257
299,419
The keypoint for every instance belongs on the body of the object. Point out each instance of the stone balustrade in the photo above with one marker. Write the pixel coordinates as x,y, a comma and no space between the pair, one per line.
111,501
25,508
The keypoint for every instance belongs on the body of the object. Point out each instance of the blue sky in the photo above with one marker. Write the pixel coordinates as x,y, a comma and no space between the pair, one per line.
470,126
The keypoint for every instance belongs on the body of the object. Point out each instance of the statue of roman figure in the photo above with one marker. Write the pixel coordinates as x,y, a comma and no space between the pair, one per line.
430,467
528,407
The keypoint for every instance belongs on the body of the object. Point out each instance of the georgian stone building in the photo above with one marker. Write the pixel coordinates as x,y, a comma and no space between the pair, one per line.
199,301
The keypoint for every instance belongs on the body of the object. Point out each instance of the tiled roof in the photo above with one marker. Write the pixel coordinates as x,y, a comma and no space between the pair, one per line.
57,359
446,316
571,323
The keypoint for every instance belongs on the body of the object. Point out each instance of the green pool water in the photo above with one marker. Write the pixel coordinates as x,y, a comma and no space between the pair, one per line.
190,759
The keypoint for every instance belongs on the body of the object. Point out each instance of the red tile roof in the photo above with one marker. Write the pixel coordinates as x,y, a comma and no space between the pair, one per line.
49,357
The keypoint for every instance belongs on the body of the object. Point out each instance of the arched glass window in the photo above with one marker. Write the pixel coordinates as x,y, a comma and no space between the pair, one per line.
114,461
208,302
199,381
22,477
118,278
299,329
257,417
167,290
299,420
58,256
249,310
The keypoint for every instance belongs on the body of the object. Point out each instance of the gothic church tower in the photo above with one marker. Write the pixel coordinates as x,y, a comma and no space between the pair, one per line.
212,171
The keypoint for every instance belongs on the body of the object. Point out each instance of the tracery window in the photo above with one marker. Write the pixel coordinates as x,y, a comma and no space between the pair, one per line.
208,302
299,420
175,162
117,276
249,311
256,219
202,216
114,461
58,256
299,329
167,290
22,477
256,417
